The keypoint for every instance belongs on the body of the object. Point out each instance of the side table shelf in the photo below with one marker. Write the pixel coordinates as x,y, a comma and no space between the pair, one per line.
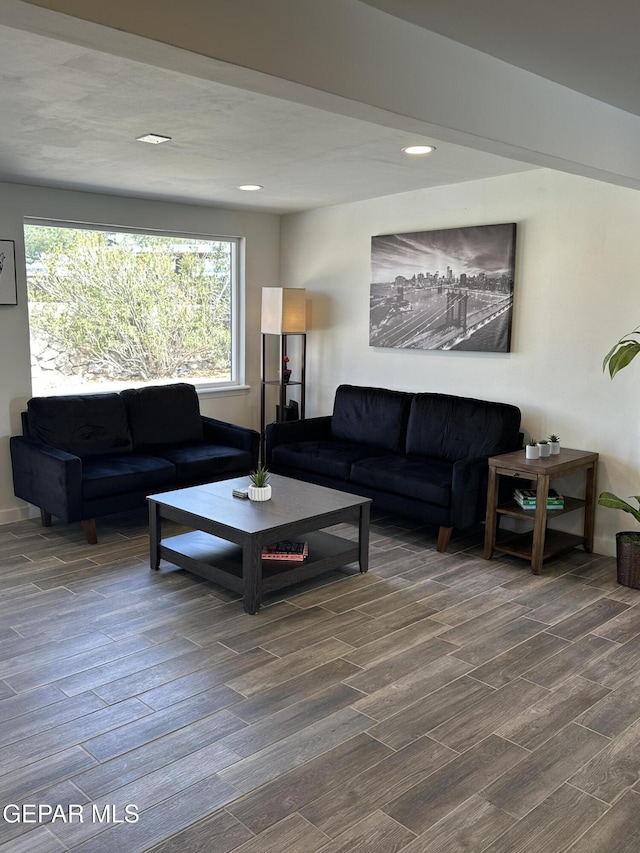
541,542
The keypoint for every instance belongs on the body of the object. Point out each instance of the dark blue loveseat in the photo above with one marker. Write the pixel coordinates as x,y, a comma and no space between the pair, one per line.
421,455
91,455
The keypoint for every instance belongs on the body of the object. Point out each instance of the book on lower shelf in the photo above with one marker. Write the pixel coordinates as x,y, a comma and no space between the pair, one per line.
526,498
286,550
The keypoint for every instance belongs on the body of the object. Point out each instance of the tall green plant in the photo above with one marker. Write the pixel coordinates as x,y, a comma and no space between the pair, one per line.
620,356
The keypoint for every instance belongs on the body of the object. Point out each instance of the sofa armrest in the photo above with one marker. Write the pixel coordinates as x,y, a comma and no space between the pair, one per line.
469,491
47,478
232,435
290,432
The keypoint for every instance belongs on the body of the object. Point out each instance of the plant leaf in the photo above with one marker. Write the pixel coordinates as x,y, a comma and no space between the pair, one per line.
623,356
612,501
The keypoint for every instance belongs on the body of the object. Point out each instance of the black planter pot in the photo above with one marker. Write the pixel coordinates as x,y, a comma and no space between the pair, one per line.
628,558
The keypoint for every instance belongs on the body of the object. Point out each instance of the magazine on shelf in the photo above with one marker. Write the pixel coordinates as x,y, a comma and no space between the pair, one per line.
530,495
532,506
286,550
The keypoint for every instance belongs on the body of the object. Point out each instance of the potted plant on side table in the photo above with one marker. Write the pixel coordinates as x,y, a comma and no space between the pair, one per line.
627,541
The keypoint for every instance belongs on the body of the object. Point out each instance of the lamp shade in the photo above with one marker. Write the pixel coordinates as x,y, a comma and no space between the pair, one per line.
284,310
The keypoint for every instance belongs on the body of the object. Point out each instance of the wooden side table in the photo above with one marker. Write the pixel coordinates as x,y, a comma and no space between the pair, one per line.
541,542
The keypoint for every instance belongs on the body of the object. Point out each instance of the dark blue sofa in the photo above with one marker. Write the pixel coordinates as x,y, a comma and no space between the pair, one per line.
95,454
421,455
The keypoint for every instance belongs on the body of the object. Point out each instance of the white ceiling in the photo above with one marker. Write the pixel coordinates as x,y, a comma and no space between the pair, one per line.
70,115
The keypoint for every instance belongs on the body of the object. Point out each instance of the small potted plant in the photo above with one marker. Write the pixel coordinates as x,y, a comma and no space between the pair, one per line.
260,488
544,448
286,372
532,449
554,441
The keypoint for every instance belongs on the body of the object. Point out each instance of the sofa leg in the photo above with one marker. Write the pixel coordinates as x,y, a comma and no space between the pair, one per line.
89,527
45,517
444,537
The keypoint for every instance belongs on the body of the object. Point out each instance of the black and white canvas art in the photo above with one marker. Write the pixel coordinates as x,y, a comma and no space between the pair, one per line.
447,290
8,288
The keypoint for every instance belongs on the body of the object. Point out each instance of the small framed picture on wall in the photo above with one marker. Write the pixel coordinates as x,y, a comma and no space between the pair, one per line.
8,284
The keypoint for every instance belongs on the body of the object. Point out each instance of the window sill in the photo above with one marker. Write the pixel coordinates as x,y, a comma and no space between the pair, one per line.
205,391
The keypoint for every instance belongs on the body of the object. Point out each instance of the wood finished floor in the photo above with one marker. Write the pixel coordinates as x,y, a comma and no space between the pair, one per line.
438,704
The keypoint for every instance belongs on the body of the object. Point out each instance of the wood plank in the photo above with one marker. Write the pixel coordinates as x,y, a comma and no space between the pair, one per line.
364,793
38,746
295,749
593,616
420,682
514,661
532,780
498,641
220,832
433,798
471,827
571,659
285,669
615,711
551,826
292,719
274,699
618,829
399,664
376,833
93,677
292,791
487,714
206,679
429,712
293,834
614,769
532,726
99,781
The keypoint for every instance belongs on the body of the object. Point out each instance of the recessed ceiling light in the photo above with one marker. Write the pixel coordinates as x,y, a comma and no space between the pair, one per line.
419,149
153,138
250,188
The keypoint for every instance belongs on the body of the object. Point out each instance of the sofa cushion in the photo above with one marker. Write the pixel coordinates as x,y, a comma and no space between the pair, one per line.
421,479
163,414
84,424
372,416
451,428
329,458
202,462
116,474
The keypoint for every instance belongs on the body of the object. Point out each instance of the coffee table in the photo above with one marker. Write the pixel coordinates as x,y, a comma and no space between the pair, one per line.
225,544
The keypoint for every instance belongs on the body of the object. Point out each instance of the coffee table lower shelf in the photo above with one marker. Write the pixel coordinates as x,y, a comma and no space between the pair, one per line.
556,542
220,561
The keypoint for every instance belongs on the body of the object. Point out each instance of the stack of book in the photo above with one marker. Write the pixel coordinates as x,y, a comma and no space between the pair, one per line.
286,550
526,498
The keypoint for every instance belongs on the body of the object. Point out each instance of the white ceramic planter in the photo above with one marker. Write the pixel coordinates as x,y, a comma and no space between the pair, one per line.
555,447
257,493
545,450
532,451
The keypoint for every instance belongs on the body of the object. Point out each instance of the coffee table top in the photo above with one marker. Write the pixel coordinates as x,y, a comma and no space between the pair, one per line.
291,501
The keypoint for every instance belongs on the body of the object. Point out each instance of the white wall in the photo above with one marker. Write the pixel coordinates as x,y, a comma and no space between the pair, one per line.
261,233
576,293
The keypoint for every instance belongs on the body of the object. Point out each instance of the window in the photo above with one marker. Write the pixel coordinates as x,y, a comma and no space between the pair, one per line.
115,309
